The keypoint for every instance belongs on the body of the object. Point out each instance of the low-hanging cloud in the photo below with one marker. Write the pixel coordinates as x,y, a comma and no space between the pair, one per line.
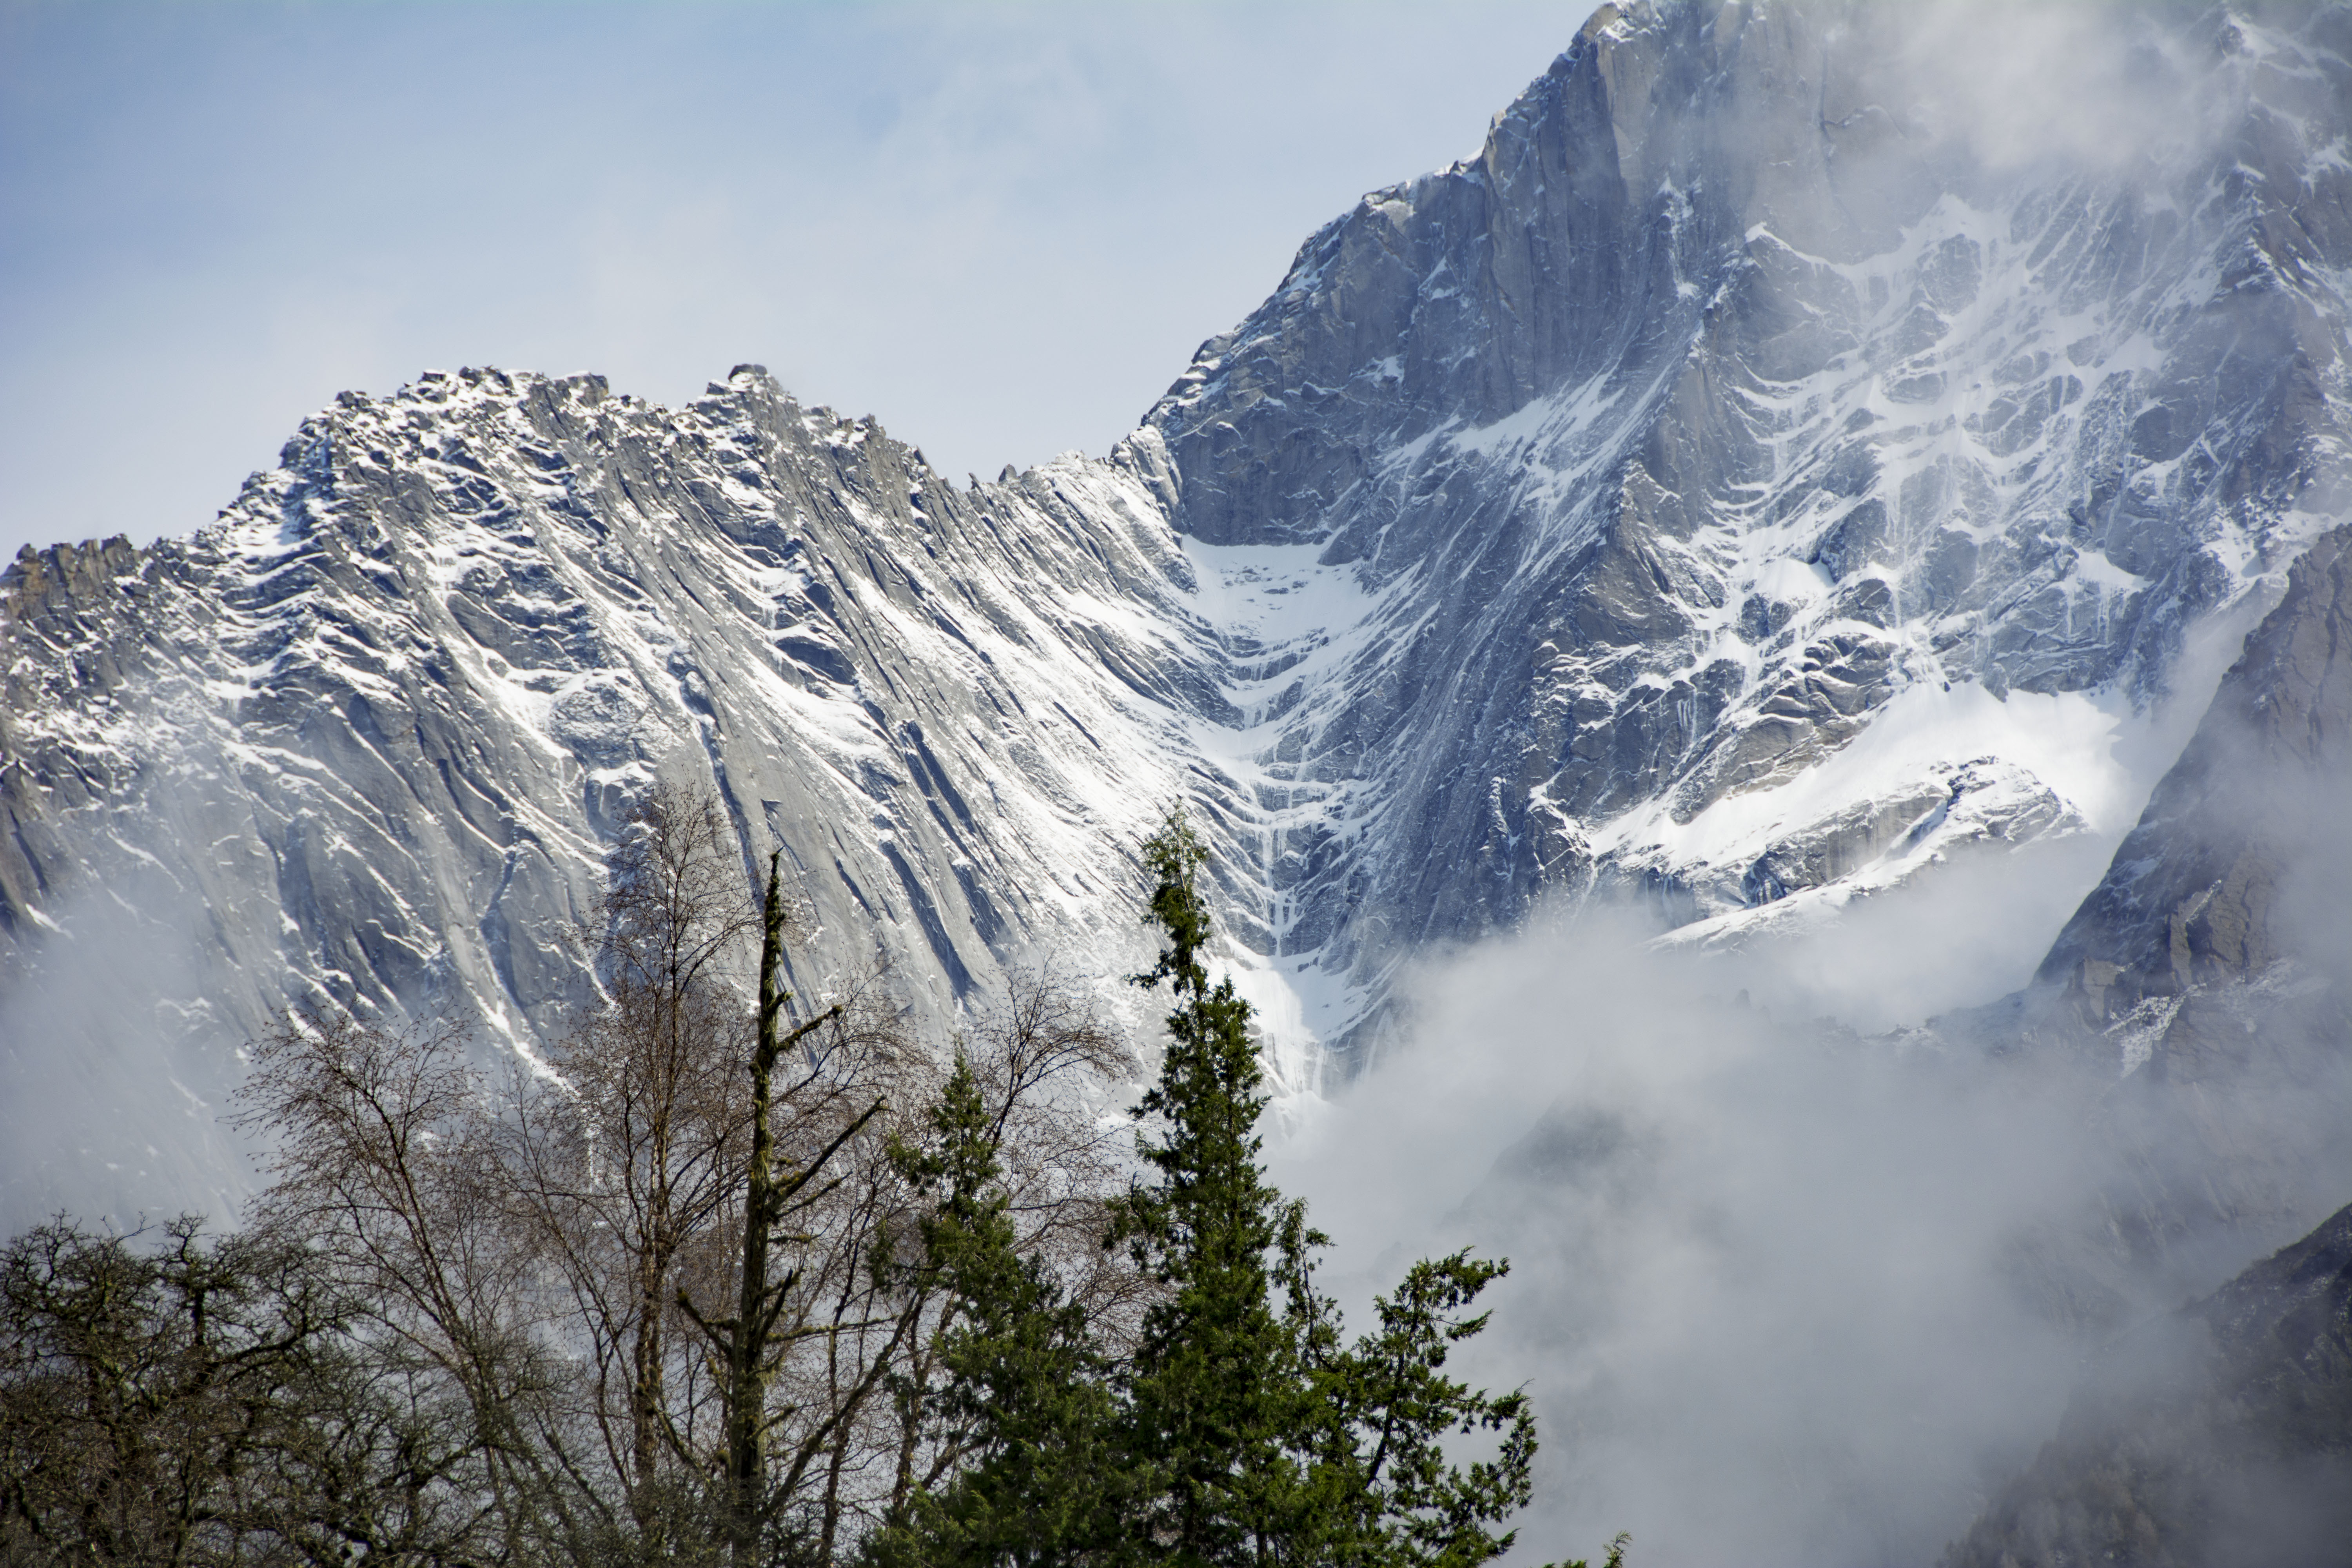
1758,1280
1785,1292
115,1076
2098,85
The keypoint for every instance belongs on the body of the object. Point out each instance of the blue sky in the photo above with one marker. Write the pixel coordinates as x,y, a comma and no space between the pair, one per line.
1001,228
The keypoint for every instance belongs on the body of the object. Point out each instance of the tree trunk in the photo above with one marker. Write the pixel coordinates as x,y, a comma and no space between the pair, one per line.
747,1371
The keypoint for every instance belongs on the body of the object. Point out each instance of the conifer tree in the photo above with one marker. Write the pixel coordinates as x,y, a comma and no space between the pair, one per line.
1251,1432
1241,1429
1216,1397
1027,1396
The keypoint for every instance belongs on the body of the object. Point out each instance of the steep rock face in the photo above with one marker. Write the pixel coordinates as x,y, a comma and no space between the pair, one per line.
2207,969
1711,409
1557,512
362,743
2198,991
2220,1436
2202,890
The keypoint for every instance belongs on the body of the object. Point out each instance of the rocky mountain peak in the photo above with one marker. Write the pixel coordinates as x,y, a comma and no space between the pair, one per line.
1716,409
1569,519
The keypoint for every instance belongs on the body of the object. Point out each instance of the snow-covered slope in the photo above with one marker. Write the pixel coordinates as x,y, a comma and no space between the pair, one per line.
362,741
1720,485
1713,412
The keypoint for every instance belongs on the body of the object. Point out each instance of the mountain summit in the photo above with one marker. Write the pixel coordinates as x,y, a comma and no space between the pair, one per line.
1569,519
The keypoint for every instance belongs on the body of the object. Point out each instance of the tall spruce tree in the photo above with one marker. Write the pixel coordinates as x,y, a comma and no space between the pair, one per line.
1241,1429
1256,1434
1216,1397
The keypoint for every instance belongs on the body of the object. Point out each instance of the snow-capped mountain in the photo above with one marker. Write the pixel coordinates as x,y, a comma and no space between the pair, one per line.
1713,414
362,742
1731,483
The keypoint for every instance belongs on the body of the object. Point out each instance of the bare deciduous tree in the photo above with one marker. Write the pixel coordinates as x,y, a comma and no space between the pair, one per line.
382,1173
170,1399
635,1166
624,1160
672,1276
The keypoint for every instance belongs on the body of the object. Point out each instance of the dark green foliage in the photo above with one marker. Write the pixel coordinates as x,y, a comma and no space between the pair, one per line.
1024,1406
1391,1406
1216,1398
170,1400
1239,1427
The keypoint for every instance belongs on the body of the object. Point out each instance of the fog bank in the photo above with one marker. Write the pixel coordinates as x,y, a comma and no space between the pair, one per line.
1763,1274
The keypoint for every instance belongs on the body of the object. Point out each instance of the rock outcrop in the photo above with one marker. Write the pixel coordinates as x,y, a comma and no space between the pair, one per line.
2227,871
1558,507
2219,1436
2196,1004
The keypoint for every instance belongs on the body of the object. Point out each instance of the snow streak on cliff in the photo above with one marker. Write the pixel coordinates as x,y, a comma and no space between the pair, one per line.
1732,482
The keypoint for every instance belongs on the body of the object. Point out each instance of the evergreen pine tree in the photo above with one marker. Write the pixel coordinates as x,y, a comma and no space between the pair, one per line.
1241,1430
1027,1399
1252,1433
1214,1395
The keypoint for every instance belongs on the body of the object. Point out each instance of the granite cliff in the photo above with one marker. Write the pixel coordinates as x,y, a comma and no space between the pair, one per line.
1566,521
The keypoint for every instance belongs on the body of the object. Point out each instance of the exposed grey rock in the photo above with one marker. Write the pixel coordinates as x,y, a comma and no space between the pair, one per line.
362,743
1708,409
2200,990
1639,463
1981,802
2255,804
2220,1435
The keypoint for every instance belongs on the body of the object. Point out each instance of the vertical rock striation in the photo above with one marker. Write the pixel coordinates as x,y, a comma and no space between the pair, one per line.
1557,509
362,743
